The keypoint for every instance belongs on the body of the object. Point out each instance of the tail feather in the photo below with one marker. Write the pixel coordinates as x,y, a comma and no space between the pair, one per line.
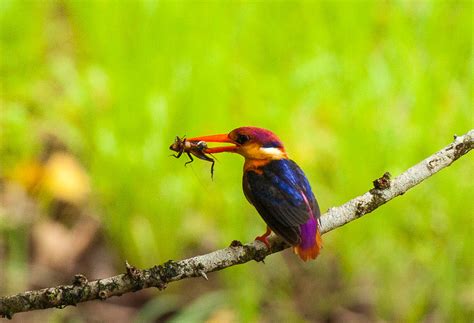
311,252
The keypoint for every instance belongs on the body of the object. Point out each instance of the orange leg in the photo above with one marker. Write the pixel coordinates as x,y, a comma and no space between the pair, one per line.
263,237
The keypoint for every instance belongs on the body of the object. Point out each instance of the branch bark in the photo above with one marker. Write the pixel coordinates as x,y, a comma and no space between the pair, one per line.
82,290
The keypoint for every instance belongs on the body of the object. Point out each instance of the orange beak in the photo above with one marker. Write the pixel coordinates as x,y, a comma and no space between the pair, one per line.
216,138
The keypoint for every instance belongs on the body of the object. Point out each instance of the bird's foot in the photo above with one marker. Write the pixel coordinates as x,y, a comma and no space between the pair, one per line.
264,238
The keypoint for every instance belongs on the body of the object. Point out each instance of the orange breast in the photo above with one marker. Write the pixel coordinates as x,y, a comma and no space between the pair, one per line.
255,165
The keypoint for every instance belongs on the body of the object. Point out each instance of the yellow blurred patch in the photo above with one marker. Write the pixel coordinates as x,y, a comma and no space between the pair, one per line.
64,178
60,177
28,174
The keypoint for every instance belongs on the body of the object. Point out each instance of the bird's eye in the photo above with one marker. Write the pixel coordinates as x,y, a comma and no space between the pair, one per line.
242,139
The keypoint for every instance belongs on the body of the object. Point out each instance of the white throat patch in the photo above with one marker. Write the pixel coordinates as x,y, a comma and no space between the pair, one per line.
274,153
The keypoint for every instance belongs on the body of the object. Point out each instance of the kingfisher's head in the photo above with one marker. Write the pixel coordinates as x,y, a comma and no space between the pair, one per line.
250,142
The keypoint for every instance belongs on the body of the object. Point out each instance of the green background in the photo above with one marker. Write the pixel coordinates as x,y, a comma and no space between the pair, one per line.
353,89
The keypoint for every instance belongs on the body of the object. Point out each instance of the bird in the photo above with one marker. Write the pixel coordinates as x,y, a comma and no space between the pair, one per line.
276,186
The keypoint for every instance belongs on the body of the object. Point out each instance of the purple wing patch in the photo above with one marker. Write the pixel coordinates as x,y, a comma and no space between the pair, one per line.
308,229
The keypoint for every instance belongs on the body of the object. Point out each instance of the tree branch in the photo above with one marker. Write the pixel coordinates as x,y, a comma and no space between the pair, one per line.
159,276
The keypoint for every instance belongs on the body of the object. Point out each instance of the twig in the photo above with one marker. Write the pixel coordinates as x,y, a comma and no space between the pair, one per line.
159,276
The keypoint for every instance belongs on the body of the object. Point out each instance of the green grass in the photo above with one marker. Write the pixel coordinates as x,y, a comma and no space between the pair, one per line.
354,89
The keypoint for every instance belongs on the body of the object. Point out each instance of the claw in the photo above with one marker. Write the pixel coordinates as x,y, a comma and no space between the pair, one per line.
264,238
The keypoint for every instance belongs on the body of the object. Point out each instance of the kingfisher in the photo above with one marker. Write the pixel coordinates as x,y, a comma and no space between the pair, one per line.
276,186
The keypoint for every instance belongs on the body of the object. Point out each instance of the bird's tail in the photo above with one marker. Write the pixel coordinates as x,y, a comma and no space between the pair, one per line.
310,252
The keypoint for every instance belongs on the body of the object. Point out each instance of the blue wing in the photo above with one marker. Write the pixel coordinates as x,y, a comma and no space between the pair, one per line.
280,194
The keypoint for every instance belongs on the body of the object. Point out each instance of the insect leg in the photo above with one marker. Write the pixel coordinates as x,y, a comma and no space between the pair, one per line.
191,159
212,170
178,154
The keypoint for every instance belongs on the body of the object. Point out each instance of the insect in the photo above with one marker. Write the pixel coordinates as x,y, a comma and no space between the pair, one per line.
196,148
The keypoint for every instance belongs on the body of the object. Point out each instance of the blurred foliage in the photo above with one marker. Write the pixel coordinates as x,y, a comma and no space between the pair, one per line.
354,89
